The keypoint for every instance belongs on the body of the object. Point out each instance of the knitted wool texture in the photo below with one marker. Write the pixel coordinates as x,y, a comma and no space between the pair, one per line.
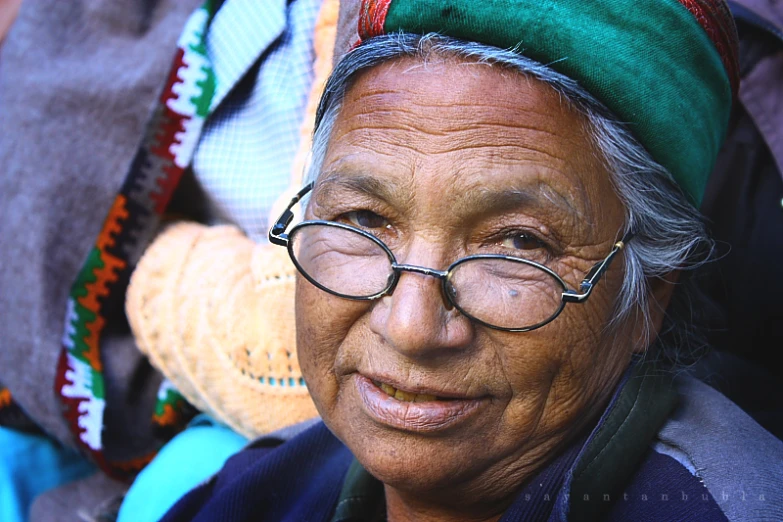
214,312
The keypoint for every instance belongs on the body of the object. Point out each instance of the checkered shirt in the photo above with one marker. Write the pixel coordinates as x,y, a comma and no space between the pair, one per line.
262,54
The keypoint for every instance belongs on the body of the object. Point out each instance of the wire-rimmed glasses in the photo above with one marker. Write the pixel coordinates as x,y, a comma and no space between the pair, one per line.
501,292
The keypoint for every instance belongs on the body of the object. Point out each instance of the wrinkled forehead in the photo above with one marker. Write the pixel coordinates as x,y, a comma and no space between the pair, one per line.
470,131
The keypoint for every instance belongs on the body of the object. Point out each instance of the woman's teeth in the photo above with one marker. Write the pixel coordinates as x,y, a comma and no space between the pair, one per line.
405,396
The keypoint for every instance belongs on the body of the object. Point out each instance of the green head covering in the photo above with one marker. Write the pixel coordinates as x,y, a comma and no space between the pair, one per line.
666,68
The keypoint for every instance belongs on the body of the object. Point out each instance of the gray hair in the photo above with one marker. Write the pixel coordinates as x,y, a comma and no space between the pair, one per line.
669,231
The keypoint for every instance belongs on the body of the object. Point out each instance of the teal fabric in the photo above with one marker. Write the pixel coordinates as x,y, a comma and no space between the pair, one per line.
649,61
186,461
31,464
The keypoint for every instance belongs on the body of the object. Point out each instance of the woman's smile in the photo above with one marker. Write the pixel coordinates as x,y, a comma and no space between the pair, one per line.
413,411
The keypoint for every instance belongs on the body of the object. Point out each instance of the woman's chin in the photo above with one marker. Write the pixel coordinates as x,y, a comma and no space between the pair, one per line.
419,470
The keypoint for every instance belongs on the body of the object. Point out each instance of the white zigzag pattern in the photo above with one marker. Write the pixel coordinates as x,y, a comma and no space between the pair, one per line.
165,386
185,145
70,329
191,34
187,88
91,408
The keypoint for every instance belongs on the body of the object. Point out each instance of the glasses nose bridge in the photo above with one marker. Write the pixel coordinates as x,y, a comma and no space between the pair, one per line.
423,270
441,275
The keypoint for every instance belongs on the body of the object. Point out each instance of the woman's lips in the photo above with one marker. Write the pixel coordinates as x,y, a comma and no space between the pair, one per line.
414,412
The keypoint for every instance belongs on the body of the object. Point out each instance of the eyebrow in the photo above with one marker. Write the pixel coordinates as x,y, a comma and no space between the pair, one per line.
523,196
476,202
389,191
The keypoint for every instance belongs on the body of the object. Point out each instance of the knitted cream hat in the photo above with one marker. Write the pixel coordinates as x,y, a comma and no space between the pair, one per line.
214,312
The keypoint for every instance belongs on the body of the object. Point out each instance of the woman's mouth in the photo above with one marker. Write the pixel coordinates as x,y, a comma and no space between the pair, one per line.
406,396
410,411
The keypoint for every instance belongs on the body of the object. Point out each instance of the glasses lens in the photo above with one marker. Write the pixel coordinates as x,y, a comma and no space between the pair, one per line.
505,293
341,260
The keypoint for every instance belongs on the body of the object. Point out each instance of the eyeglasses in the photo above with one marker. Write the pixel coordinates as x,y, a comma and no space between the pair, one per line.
501,292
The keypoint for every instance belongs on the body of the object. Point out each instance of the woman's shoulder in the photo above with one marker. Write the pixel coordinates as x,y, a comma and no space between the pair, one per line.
738,461
274,478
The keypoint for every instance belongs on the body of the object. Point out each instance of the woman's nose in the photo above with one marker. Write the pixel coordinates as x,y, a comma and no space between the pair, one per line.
417,320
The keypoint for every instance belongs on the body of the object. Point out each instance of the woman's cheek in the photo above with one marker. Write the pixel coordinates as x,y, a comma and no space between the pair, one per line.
323,322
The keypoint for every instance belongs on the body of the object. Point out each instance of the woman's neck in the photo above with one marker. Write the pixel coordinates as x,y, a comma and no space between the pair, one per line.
405,506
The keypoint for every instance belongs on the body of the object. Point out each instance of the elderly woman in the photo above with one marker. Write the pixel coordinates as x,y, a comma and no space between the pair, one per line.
497,216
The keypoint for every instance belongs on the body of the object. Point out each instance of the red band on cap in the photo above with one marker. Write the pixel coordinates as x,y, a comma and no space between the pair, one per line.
372,17
718,23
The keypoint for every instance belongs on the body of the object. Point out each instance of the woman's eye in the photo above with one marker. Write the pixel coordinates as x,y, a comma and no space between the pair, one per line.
521,241
366,219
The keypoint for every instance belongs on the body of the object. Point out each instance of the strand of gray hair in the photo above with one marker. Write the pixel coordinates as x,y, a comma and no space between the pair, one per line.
670,234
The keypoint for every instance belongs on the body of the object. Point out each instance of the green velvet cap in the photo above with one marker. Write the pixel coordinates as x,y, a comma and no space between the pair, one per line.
651,62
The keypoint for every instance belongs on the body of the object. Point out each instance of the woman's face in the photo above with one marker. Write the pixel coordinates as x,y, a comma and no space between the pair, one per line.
441,161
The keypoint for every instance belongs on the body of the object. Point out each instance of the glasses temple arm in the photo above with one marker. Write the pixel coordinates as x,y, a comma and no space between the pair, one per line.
595,273
276,233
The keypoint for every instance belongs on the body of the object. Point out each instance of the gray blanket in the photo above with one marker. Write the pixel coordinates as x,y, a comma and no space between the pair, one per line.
78,80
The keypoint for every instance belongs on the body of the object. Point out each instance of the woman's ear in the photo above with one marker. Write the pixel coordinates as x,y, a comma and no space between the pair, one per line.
661,290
